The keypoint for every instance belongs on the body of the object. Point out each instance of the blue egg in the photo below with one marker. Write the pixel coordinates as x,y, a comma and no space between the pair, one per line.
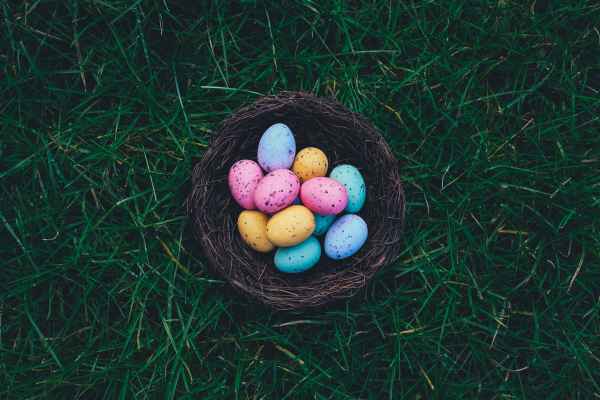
298,258
353,181
346,236
297,201
276,148
322,223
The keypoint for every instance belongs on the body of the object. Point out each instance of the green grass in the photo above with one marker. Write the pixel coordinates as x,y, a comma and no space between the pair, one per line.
492,107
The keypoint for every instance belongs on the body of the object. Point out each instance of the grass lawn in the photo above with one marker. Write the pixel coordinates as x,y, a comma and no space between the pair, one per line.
492,108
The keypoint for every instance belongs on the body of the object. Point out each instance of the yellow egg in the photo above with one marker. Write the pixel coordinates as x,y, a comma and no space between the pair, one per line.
310,162
253,228
290,226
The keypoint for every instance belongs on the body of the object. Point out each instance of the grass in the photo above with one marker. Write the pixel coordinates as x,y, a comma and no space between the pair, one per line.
492,107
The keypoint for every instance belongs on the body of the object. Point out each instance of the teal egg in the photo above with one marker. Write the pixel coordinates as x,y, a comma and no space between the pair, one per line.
322,223
298,258
353,181
345,237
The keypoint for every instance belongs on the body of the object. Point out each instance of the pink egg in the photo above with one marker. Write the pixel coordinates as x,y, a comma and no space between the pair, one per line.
243,179
276,191
324,196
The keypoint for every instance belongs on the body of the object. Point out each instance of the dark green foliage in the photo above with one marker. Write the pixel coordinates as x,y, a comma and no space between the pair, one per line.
492,107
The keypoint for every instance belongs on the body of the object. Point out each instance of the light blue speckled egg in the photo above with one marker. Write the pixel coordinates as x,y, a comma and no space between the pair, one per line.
298,258
276,148
322,223
353,181
345,237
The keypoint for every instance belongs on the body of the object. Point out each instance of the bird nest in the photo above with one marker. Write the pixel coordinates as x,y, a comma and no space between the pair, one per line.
346,137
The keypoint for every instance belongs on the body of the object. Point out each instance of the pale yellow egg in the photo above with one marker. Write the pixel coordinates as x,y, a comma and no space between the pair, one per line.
310,162
290,226
253,229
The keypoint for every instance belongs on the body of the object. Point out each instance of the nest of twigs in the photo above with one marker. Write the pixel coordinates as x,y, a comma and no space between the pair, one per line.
345,137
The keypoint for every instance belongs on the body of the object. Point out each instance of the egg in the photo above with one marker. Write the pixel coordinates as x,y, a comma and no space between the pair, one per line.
252,226
276,148
290,226
276,191
324,196
298,258
353,181
322,223
309,163
345,237
243,179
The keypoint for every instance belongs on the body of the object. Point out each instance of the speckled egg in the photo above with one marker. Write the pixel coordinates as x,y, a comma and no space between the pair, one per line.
298,258
353,181
276,191
290,226
276,148
253,229
324,196
309,163
345,237
322,223
243,179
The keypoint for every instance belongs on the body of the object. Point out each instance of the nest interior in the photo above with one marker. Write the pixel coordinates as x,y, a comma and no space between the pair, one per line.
345,137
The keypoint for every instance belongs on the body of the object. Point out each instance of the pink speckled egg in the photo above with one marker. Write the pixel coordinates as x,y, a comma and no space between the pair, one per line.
276,191
243,179
324,196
